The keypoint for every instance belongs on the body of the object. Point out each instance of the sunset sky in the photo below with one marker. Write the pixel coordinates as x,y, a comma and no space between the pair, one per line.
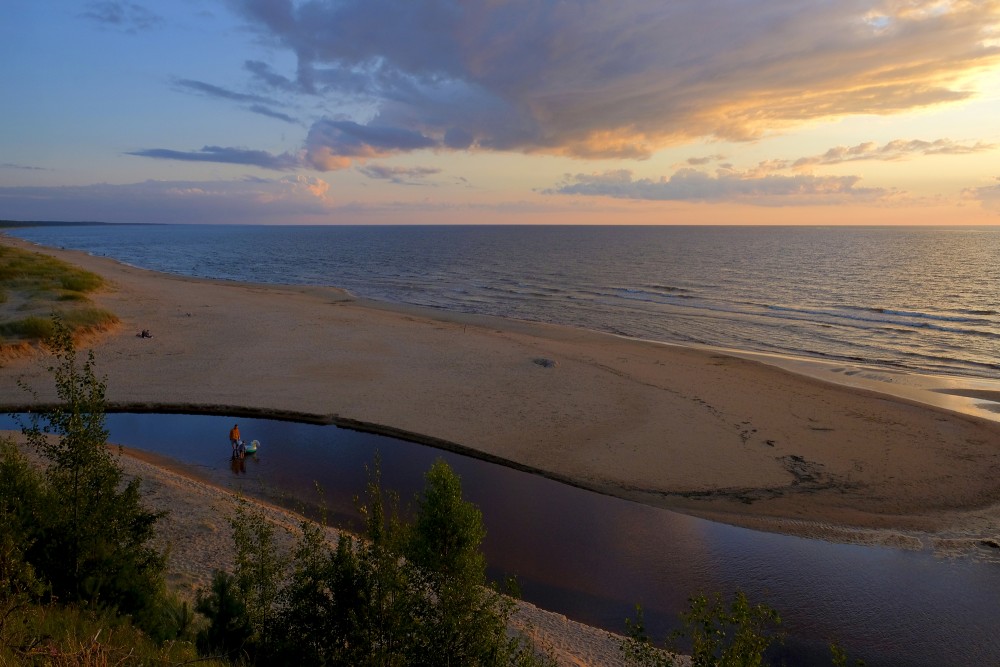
526,111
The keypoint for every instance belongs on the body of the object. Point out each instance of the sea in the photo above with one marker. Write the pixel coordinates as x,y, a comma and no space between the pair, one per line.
922,300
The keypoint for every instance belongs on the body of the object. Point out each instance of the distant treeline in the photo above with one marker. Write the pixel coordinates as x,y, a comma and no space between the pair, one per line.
48,223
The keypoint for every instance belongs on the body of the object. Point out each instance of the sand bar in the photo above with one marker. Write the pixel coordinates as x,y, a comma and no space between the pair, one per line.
693,430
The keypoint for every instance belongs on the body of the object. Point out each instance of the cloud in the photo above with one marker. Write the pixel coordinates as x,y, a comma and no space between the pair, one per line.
123,15
693,185
22,167
898,149
257,104
331,144
212,90
263,72
604,79
401,175
988,195
253,200
261,159
271,113
700,161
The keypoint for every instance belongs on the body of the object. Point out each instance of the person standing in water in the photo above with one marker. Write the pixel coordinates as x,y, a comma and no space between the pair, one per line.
234,437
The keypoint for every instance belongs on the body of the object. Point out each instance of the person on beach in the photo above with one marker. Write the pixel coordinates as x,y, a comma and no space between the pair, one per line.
234,437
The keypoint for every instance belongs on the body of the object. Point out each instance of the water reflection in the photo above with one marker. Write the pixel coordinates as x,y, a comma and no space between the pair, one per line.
594,557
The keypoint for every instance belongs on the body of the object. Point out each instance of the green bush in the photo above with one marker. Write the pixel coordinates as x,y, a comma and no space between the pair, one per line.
229,631
89,534
716,634
379,601
71,636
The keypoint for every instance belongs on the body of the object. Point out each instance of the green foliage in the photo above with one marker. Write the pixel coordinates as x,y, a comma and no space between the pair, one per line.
80,281
719,635
408,594
637,646
466,619
39,285
89,537
259,571
29,327
229,631
70,636
733,636
839,657
448,531
20,489
33,270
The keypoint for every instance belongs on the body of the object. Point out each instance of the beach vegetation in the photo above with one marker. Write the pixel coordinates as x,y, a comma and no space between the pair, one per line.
37,286
93,542
76,533
34,270
714,633
407,593
58,635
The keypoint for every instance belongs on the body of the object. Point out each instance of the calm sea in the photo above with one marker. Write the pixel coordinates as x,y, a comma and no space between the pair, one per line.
915,299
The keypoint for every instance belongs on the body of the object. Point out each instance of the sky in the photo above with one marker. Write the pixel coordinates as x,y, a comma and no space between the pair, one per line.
816,112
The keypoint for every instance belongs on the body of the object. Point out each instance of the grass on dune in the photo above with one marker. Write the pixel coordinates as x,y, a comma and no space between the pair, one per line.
34,286
58,636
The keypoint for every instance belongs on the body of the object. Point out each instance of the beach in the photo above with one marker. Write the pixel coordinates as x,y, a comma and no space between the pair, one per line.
697,431
692,430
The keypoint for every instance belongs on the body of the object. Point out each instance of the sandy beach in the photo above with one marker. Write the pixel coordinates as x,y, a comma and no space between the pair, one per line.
692,430
697,431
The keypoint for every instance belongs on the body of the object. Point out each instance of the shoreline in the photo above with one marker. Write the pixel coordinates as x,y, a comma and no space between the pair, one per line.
964,394
707,432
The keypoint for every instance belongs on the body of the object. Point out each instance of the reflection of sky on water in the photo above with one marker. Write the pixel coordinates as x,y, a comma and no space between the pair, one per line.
594,557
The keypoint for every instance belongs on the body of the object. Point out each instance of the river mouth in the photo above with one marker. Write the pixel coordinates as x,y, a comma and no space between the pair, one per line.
594,557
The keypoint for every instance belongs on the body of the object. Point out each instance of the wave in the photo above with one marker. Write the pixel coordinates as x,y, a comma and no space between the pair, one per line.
930,316
900,318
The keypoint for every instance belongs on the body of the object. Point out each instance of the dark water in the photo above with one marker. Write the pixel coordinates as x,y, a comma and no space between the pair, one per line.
594,557
918,299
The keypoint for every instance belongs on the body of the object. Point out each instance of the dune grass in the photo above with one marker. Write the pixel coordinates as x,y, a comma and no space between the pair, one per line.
57,635
33,287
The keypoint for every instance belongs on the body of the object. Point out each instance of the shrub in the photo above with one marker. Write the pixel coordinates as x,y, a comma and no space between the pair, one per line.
718,635
91,540
365,602
229,631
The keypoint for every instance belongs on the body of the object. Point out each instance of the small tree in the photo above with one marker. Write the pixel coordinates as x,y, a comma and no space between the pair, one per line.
463,620
229,631
736,635
92,542
258,573
406,595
